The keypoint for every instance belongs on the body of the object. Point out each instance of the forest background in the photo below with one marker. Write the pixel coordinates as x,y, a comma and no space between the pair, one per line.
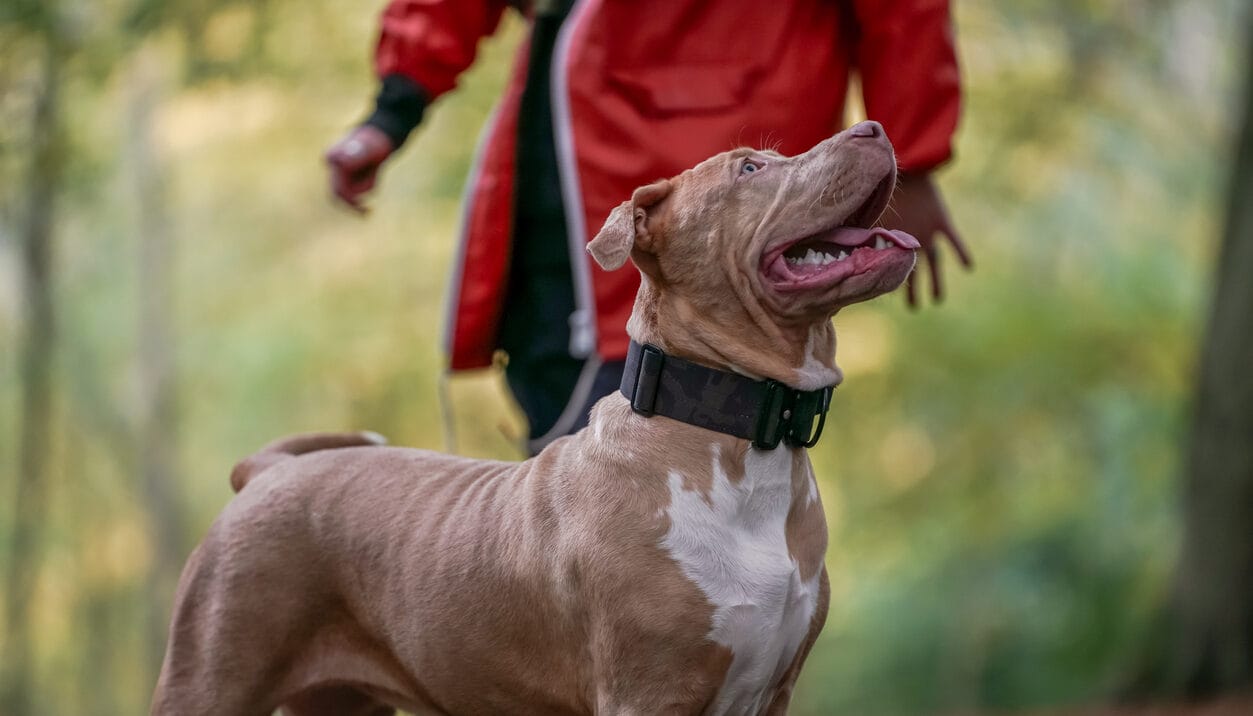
1008,476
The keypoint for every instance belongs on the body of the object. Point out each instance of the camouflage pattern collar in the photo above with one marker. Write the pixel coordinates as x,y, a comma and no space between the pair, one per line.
766,412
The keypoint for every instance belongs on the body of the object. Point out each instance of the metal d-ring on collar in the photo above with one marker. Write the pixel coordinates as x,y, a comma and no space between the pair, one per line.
766,412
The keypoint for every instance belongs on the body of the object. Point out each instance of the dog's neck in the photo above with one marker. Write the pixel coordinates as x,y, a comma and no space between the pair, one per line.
800,356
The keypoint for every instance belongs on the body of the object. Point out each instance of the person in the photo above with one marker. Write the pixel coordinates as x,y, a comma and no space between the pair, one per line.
608,95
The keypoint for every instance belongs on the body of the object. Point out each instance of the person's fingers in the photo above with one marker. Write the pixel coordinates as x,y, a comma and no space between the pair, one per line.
355,204
955,240
338,185
933,263
354,163
352,203
340,165
345,193
350,168
357,182
338,161
364,181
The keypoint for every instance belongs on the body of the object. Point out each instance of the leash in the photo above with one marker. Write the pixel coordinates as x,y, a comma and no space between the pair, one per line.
766,412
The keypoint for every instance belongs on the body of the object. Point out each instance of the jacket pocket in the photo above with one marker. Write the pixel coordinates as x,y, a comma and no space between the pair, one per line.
666,90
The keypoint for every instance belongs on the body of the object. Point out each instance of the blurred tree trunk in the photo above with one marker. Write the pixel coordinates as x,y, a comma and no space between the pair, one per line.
158,424
1209,641
29,501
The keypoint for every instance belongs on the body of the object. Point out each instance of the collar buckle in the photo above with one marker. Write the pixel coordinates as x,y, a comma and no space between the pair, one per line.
809,405
787,415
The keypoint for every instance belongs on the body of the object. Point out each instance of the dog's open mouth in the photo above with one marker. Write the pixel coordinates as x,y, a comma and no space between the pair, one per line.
836,253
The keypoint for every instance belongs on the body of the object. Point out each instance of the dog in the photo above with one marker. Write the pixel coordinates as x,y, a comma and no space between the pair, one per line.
667,559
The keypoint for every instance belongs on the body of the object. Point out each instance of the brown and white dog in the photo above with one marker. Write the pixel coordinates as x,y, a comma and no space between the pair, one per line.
642,566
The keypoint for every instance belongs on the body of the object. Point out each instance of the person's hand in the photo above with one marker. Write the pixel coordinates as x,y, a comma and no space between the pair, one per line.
354,163
918,208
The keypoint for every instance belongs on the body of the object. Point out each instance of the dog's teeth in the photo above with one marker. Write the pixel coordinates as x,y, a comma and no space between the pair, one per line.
816,258
880,243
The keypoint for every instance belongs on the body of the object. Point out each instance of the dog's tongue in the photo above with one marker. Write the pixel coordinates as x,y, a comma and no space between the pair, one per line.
852,236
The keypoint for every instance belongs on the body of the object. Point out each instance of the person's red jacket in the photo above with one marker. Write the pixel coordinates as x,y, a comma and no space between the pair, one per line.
643,90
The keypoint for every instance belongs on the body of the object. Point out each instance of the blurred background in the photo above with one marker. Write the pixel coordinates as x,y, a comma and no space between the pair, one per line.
1021,519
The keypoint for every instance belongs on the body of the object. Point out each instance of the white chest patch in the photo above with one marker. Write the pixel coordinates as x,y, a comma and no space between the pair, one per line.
734,548
813,375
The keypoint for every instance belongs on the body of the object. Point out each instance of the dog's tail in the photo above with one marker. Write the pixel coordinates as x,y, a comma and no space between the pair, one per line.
294,445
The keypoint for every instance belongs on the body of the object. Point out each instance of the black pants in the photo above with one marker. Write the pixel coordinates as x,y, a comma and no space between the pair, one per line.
554,389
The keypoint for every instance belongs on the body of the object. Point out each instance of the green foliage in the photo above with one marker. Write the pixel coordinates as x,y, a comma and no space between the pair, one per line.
999,471
1004,480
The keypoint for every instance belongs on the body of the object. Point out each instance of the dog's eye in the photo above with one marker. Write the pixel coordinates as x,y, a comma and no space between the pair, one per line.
750,166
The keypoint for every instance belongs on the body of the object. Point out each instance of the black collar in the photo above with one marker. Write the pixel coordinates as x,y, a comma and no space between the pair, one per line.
764,411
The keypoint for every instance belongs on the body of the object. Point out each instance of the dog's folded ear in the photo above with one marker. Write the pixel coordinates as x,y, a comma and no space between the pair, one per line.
627,227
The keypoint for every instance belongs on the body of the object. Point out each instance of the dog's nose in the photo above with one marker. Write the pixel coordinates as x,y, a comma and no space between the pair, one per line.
866,129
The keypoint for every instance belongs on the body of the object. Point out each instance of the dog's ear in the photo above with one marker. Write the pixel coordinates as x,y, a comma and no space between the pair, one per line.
613,243
627,227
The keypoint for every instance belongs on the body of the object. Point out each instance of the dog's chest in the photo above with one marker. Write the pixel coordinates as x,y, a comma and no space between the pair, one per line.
731,541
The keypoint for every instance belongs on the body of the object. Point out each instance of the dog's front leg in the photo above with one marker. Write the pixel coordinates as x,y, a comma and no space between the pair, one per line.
783,696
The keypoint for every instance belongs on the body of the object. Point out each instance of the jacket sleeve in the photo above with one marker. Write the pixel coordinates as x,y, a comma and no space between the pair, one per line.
423,46
906,57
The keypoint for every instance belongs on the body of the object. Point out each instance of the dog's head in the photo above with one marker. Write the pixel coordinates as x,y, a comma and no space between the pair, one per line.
747,256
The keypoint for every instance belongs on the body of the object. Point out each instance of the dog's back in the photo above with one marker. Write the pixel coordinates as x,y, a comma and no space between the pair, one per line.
294,445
